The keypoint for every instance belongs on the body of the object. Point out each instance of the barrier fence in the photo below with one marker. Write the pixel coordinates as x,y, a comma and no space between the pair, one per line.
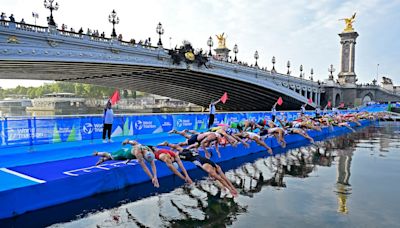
25,131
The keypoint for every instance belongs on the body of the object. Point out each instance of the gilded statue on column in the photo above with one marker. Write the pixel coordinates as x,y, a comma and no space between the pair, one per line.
221,41
349,23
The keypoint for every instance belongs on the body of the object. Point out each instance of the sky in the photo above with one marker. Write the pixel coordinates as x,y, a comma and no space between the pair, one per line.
302,31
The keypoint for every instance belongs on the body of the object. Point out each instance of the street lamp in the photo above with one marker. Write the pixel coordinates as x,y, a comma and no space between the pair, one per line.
256,56
273,64
160,31
235,50
331,70
49,5
288,67
312,73
113,19
210,43
377,72
35,15
301,71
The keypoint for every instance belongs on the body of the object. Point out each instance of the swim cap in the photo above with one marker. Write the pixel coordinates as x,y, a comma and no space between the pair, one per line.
222,141
149,156
234,125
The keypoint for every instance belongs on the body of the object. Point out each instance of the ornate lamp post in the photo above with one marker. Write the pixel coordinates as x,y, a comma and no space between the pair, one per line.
235,50
49,5
113,19
312,73
160,31
210,43
288,67
331,70
273,64
256,56
301,71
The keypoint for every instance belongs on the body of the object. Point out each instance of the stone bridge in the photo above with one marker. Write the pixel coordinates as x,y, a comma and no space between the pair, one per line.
46,53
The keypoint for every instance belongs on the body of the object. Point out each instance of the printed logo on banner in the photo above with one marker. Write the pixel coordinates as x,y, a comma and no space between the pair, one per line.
179,123
88,128
166,122
139,125
144,124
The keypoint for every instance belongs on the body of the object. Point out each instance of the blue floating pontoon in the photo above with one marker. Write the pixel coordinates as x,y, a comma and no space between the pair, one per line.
36,184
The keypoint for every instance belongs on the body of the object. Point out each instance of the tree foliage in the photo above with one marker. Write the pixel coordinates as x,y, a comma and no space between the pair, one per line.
80,90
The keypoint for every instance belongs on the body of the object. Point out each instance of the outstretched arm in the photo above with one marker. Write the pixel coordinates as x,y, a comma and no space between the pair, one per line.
216,102
154,179
130,142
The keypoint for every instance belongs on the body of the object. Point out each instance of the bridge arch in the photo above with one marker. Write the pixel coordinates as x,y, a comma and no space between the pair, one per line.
367,98
337,99
34,52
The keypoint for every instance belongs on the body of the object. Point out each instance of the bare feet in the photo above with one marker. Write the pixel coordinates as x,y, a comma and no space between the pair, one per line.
173,131
165,143
125,142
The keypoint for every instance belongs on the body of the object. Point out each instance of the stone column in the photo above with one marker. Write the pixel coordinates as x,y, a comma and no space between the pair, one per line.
347,74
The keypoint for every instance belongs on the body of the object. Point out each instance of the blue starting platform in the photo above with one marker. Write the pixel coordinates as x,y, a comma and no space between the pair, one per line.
58,173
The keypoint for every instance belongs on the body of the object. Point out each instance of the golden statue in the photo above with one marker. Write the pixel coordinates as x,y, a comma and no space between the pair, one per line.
349,23
221,40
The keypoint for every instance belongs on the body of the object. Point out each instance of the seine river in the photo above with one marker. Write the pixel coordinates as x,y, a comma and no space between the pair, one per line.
347,181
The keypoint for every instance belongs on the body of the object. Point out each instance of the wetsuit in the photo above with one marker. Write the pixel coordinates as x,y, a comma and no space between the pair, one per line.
164,151
193,139
123,154
193,156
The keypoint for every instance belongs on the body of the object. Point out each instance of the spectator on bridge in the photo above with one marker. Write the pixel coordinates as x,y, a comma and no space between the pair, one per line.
108,118
212,112
3,16
120,37
12,19
103,35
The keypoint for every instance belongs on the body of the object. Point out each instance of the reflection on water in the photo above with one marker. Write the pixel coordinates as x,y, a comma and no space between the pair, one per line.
327,184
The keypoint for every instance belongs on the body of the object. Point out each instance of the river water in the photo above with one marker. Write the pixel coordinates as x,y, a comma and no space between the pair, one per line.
347,181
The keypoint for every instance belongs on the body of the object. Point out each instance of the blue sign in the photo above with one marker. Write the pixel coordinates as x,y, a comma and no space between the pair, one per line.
1,133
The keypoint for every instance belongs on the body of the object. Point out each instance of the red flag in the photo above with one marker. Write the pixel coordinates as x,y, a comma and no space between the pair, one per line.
280,101
224,97
115,97
310,101
341,105
329,104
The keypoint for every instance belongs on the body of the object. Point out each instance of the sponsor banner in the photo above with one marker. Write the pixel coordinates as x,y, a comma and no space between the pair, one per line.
67,130
201,121
146,125
122,126
43,130
36,130
88,128
166,122
220,119
182,122
18,132
1,133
